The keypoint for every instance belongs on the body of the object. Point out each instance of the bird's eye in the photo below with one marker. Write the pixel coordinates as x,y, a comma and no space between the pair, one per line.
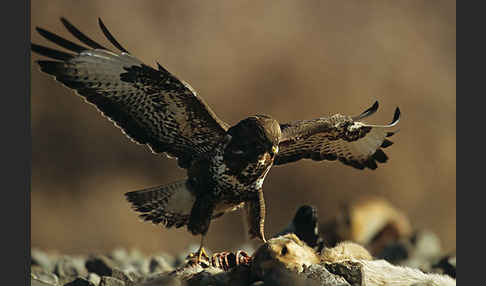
284,250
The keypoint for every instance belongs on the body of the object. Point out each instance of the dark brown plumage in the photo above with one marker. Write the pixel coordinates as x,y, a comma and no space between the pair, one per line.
226,166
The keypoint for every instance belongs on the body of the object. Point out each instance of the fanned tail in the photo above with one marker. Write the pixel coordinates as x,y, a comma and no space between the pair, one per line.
169,205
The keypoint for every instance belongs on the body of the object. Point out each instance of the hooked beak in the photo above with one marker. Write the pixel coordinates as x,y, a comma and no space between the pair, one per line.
274,150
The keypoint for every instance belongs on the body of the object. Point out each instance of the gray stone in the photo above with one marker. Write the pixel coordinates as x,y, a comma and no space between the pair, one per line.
80,282
35,282
101,265
161,279
204,278
283,277
138,266
44,276
119,255
158,264
323,276
349,270
94,278
70,267
127,277
43,260
110,281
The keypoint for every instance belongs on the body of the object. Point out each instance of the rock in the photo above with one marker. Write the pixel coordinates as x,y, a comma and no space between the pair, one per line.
69,267
127,277
446,265
139,266
41,275
187,271
205,278
94,278
100,265
381,272
170,259
161,279
132,261
80,282
239,276
158,264
283,277
43,260
349,270
35,282
320,274
110,281
119,255
104,266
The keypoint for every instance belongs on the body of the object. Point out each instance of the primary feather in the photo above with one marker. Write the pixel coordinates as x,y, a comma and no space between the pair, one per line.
337,137
151,106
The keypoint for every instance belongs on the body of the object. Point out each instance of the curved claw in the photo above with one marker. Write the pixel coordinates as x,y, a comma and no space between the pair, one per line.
367,112
199,257
242,257
227,260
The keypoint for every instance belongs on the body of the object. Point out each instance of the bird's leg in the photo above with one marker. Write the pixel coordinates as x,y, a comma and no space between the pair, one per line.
199,221
200,256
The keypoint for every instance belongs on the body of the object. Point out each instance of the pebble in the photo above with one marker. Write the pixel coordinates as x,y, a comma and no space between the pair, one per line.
110,281
80,282
44,276
158,264
70,267
94,278
100,265
41,259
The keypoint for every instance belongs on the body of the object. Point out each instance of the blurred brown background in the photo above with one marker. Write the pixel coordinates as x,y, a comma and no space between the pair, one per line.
290,59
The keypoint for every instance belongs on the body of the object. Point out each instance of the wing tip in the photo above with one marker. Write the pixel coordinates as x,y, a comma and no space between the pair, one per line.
380,156
50,53
110,37
396,116
386,143
368,112
100,22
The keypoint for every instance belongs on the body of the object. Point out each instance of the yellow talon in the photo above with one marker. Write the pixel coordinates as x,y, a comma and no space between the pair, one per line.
199,257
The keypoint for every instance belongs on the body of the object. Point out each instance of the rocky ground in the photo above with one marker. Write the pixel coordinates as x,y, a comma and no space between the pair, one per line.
132,268
383,250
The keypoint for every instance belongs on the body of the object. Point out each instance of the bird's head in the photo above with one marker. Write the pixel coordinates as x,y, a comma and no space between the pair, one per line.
254,136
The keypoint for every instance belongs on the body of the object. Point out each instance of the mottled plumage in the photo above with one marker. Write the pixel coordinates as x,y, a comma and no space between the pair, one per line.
226,166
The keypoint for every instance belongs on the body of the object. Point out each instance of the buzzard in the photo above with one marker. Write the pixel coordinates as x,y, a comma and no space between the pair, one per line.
226,165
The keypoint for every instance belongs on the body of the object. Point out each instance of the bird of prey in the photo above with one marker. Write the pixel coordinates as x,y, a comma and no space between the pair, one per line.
226,165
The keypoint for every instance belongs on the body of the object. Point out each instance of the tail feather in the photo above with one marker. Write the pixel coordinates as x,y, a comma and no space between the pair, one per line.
169,205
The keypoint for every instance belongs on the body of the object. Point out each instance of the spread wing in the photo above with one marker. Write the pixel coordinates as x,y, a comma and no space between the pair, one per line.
337,137
151,106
